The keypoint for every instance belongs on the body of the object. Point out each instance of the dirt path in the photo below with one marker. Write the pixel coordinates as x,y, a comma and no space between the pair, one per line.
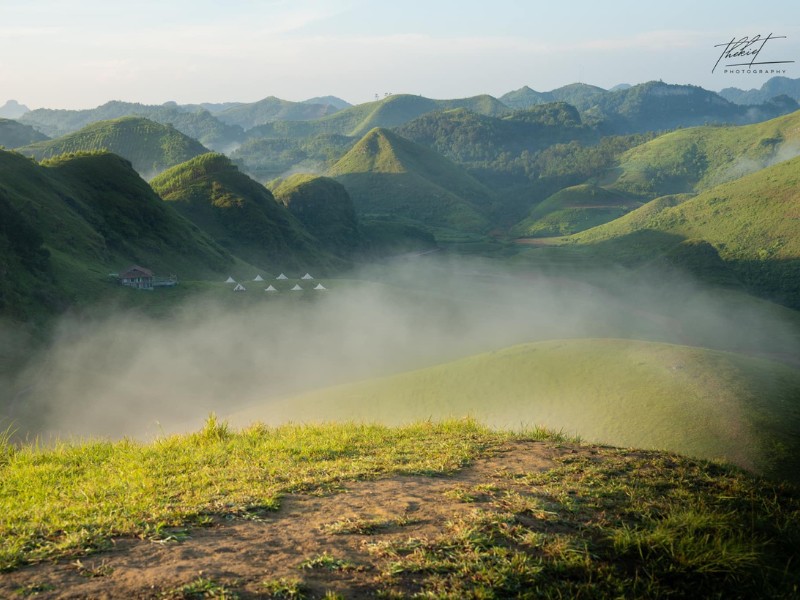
240,554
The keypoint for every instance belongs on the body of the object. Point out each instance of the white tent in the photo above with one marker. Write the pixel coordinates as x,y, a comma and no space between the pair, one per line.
296,288
281,276
230,280
239,288
306,276
270,288
258,278
319,286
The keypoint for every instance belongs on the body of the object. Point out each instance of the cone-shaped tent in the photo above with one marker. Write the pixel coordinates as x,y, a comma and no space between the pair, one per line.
296,288
306,276
230,280
258,278
281,276
239,288
270,288
319,286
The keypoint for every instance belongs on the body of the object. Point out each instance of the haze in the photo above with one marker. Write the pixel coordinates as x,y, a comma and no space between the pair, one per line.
82,53
129,374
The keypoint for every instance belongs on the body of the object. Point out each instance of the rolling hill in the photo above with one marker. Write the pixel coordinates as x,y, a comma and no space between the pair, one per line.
82,216
391,111
575,209
271,109
699,158
752,222
390,176
238,213
579,95
14,134
700,402
324,207
149,146
197,123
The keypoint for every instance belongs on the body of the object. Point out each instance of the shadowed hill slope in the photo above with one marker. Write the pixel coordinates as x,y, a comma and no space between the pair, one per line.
239,213
14,134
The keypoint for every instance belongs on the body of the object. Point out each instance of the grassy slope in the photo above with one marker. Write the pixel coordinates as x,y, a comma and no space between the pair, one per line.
14,134
96,216
239,213
575,209
324,207
752,222
699,158
386,174
149,146
704,403
598,523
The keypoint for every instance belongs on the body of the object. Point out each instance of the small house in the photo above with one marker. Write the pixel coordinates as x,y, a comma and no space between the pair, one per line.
137,277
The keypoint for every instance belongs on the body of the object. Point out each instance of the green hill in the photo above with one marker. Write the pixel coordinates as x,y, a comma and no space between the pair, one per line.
391,111
699,158
239,213
704,403
324,207
14,134
575,209
658,106
195,122
576,94
94,215
271,109
752,222
388,175
149,146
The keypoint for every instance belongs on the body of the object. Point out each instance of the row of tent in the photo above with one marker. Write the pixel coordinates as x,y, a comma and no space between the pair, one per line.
271,288
307,276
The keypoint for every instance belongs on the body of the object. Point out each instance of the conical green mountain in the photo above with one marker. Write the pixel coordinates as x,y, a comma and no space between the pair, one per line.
324,207
93,215
149,146
239,213
14,134
390,176
753,222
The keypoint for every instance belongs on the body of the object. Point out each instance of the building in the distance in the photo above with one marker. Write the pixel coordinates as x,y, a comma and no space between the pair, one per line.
137,277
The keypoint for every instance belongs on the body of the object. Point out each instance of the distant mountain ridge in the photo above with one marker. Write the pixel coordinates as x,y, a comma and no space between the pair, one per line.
775,86
13,110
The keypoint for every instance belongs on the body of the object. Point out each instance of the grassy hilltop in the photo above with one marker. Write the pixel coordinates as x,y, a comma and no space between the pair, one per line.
445,510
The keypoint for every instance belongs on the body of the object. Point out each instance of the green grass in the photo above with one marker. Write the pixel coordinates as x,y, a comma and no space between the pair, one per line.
701,402
602,522
70,499
605,524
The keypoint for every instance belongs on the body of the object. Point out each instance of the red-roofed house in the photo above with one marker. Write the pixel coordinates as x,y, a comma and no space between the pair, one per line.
137,277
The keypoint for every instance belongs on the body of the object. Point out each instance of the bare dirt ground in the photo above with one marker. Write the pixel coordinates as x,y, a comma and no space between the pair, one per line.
241,553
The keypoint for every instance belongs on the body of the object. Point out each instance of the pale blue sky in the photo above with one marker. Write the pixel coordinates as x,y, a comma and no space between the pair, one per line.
81,53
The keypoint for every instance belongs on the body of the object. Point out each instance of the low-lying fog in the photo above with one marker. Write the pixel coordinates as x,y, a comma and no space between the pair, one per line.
122,373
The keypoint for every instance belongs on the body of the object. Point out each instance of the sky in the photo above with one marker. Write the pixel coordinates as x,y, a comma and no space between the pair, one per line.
82,53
